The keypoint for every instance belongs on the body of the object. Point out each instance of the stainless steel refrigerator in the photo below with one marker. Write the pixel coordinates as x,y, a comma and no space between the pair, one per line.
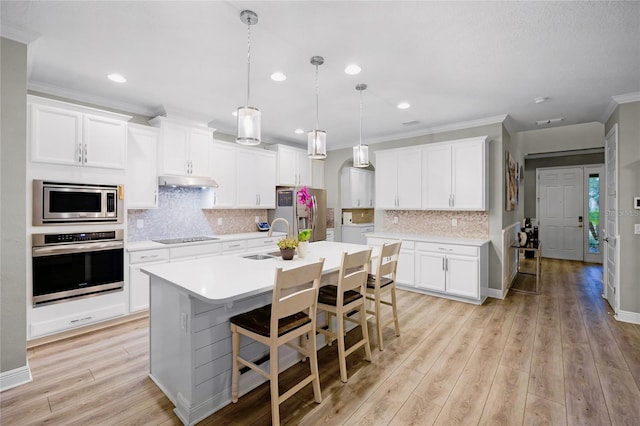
298,215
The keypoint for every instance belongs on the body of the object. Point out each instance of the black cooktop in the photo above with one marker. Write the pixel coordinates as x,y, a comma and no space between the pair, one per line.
185,240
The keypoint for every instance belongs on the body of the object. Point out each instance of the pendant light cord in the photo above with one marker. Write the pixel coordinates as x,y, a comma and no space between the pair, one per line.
317,98
360,143
248,60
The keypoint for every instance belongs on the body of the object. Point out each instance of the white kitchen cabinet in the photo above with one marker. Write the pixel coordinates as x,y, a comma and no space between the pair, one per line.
68,134
293,166
406,259
223,170
456,270
398,173
330,235
142,170
139,282
355,233
455,175
357,188
256,186
184,147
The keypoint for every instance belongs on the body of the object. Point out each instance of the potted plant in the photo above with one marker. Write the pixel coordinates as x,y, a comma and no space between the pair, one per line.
287,247
303,242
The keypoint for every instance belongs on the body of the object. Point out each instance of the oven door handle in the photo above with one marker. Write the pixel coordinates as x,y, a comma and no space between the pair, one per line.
76,248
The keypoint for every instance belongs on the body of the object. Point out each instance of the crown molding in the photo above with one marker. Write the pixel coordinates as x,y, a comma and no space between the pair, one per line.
20,35
618,100
496,119
98,101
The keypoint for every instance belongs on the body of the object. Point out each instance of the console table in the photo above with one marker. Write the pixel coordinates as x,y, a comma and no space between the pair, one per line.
537,250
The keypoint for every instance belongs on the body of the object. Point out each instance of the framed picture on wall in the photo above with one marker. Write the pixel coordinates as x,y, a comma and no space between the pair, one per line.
511,182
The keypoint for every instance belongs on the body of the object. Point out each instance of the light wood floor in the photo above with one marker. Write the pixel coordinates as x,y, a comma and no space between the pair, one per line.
557,358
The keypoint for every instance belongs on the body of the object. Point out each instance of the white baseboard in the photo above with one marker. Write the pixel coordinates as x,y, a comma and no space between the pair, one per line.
497,293
627,316
16,377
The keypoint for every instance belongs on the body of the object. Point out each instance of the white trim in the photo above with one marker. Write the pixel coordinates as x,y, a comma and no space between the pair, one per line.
617,100
497,293
509,124
628,316
16,377
19,35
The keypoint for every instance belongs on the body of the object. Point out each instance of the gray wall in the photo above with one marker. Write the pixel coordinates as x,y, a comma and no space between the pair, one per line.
13,225
628,118
530,166
563,138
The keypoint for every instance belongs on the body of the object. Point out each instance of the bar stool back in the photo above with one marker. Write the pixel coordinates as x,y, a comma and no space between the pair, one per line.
291,315
344,298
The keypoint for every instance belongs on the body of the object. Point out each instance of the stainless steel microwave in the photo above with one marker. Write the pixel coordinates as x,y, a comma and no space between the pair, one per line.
72,203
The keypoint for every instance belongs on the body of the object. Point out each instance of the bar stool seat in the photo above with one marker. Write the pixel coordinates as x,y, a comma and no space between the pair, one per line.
384,281
258,321
328,295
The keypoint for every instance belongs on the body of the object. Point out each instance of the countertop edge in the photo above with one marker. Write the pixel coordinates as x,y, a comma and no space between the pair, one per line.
429,238
152,245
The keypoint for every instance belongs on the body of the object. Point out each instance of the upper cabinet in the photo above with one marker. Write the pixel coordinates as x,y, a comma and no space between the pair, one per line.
293,166
184,147
357,188
455,175
246,177
398,172
142,171
69,134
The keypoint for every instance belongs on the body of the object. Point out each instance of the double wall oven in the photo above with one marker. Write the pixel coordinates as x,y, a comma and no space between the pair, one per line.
68,265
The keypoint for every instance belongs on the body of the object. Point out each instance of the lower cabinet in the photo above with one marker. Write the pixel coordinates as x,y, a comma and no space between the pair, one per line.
139,282
405,274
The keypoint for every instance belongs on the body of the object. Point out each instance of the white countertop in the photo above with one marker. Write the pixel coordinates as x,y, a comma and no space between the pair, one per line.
149,245
429,238
226,278
358,225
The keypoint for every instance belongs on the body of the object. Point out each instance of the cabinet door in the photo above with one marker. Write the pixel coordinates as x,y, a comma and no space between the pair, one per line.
105,142
304,168
370,189
405,273
287,166
430,271
200,142
468,180
386,180
142,178
175,148
436,183
266,181
224,171
462,275
138,289
56,135
409,167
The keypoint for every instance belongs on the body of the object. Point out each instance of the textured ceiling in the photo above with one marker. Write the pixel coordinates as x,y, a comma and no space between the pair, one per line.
454,62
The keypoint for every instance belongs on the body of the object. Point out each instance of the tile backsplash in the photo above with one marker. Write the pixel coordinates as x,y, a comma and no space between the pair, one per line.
180,214
474,225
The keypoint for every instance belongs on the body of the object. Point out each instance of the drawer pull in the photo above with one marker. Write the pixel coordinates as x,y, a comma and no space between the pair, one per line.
234,245
150,256
444,249
80,319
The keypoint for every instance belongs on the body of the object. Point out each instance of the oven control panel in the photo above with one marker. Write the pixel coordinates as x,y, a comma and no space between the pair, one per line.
77,237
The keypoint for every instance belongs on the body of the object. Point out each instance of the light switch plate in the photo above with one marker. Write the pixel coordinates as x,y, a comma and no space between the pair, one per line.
636,228
454,222
139,223
219,221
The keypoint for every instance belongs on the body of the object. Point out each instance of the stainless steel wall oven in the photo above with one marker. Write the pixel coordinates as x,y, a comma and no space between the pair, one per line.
74,265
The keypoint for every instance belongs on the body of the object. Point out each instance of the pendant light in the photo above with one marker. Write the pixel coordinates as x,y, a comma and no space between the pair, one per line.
248,116
361,152
317,139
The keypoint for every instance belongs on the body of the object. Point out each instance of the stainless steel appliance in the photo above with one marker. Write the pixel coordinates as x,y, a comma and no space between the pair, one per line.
68,266
298,215
72,203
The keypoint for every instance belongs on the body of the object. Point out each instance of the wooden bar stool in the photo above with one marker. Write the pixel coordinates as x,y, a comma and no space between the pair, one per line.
382,282
344,298
291,315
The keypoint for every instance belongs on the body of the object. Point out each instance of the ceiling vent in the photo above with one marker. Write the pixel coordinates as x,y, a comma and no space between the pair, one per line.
411,123
549,121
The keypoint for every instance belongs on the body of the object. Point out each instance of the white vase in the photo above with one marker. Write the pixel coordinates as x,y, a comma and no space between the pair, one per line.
303,249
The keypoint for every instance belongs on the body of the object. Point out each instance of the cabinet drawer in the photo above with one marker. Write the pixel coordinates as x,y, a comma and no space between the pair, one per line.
449,249
406,245
262,242
148,256
231,246
197,250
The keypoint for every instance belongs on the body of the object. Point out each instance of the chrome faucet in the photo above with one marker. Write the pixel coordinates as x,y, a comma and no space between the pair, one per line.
276,220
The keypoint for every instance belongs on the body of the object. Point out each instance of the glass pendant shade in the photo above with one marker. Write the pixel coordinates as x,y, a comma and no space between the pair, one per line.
248,126
317,144
361,156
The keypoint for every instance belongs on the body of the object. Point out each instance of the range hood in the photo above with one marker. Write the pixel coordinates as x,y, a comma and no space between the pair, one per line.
187,181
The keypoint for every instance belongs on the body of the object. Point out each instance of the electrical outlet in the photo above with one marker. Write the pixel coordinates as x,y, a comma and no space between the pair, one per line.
139,223
219,221
257,219
454,222
636,228
395,220
361,214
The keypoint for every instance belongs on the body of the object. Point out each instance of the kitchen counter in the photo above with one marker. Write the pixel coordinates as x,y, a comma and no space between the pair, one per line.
429,238
190,339
149,245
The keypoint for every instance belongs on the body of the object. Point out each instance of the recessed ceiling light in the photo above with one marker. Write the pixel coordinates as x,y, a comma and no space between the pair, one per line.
118,78
541,99
278,76
404,105
352,69
235,113
298,132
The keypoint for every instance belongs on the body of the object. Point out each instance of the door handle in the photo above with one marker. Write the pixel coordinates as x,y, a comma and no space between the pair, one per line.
579,221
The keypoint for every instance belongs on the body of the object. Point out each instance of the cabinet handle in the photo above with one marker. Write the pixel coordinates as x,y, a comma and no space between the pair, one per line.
444,249
443,264
234,245
155,197
446,264
453,200
150,256
85,153
80,153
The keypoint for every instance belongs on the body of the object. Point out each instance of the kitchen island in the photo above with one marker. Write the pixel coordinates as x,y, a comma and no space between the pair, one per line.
190,339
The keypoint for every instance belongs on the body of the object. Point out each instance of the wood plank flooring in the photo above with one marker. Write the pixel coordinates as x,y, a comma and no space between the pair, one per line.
556,358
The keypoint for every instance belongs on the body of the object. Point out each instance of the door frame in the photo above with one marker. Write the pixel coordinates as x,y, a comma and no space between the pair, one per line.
600,169
613,133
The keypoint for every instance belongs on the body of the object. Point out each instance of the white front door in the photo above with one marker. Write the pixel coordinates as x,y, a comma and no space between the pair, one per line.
560,215
611,218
